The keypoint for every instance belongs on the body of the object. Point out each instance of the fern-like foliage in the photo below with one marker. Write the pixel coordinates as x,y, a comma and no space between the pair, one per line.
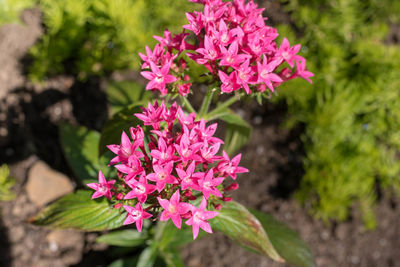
10,9
351,111
86,37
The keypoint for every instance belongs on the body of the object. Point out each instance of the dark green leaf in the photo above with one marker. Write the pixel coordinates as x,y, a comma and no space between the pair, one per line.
237,133
148,256
286,241
123,238
125,262
121,121
80,147
79,211
124,93
173,237
172,257
235,221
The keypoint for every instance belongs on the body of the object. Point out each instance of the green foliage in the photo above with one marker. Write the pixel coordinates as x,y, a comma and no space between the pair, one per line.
79,211
80,146
263,234
351,110
100,36
10,9
6,182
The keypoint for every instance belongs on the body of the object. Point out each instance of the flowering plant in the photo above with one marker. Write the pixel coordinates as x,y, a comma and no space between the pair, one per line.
170,169
233,42
176,165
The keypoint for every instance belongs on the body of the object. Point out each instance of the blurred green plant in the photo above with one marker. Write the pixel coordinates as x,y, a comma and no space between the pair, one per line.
351,111
6,182
10,9
96,37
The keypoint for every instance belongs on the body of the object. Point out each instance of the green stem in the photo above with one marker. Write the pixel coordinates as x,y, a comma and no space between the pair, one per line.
220,109
206,103
186,103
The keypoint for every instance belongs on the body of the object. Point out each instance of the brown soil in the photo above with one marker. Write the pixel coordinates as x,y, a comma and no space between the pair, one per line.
29,118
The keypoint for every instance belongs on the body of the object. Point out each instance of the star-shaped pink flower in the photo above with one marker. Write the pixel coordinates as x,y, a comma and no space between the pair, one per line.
199,218
103,188
229,167
162,176
208,184
173,209
136,215
140,189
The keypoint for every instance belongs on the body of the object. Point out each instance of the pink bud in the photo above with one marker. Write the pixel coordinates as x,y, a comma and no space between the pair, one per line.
218,206
120,196
117,206
231,187
187,215
191,197
227,199
187,193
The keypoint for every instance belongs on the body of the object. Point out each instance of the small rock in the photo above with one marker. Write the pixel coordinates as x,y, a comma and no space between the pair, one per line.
341,232
65,240
45,185
16,233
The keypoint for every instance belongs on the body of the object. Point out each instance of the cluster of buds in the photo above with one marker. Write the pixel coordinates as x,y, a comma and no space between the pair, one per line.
233,42
166,166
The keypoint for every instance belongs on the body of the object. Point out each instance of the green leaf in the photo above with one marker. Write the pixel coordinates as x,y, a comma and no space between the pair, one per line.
6,182
80,146
121,121
124,93
173,258
125,262
286,241
238,132
235,221
148,256
172,237
79,211
123,238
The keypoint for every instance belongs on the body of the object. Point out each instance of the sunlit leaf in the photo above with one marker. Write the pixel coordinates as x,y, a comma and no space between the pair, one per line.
79,211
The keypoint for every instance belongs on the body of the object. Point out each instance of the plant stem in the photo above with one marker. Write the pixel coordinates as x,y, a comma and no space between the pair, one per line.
220,109
187,104
206,103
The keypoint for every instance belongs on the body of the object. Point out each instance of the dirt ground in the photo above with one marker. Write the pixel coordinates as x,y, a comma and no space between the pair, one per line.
29,119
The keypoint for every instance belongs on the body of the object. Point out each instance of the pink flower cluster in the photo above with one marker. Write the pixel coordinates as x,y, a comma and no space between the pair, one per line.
163,171
233,42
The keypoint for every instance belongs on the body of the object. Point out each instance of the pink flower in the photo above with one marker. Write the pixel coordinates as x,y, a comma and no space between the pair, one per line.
124,150
265,73
288,53
103,188
164,153
186,150
132,168
229,167
158,77
140,189
152,115
229,83
230,57
208,184
199,219
209,52
189,178
302,72
136,215
173,209
162,176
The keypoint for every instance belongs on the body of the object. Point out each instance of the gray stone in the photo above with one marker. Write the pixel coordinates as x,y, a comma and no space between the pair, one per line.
45,185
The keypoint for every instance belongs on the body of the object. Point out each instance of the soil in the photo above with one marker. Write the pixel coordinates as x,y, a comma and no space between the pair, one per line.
29,119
